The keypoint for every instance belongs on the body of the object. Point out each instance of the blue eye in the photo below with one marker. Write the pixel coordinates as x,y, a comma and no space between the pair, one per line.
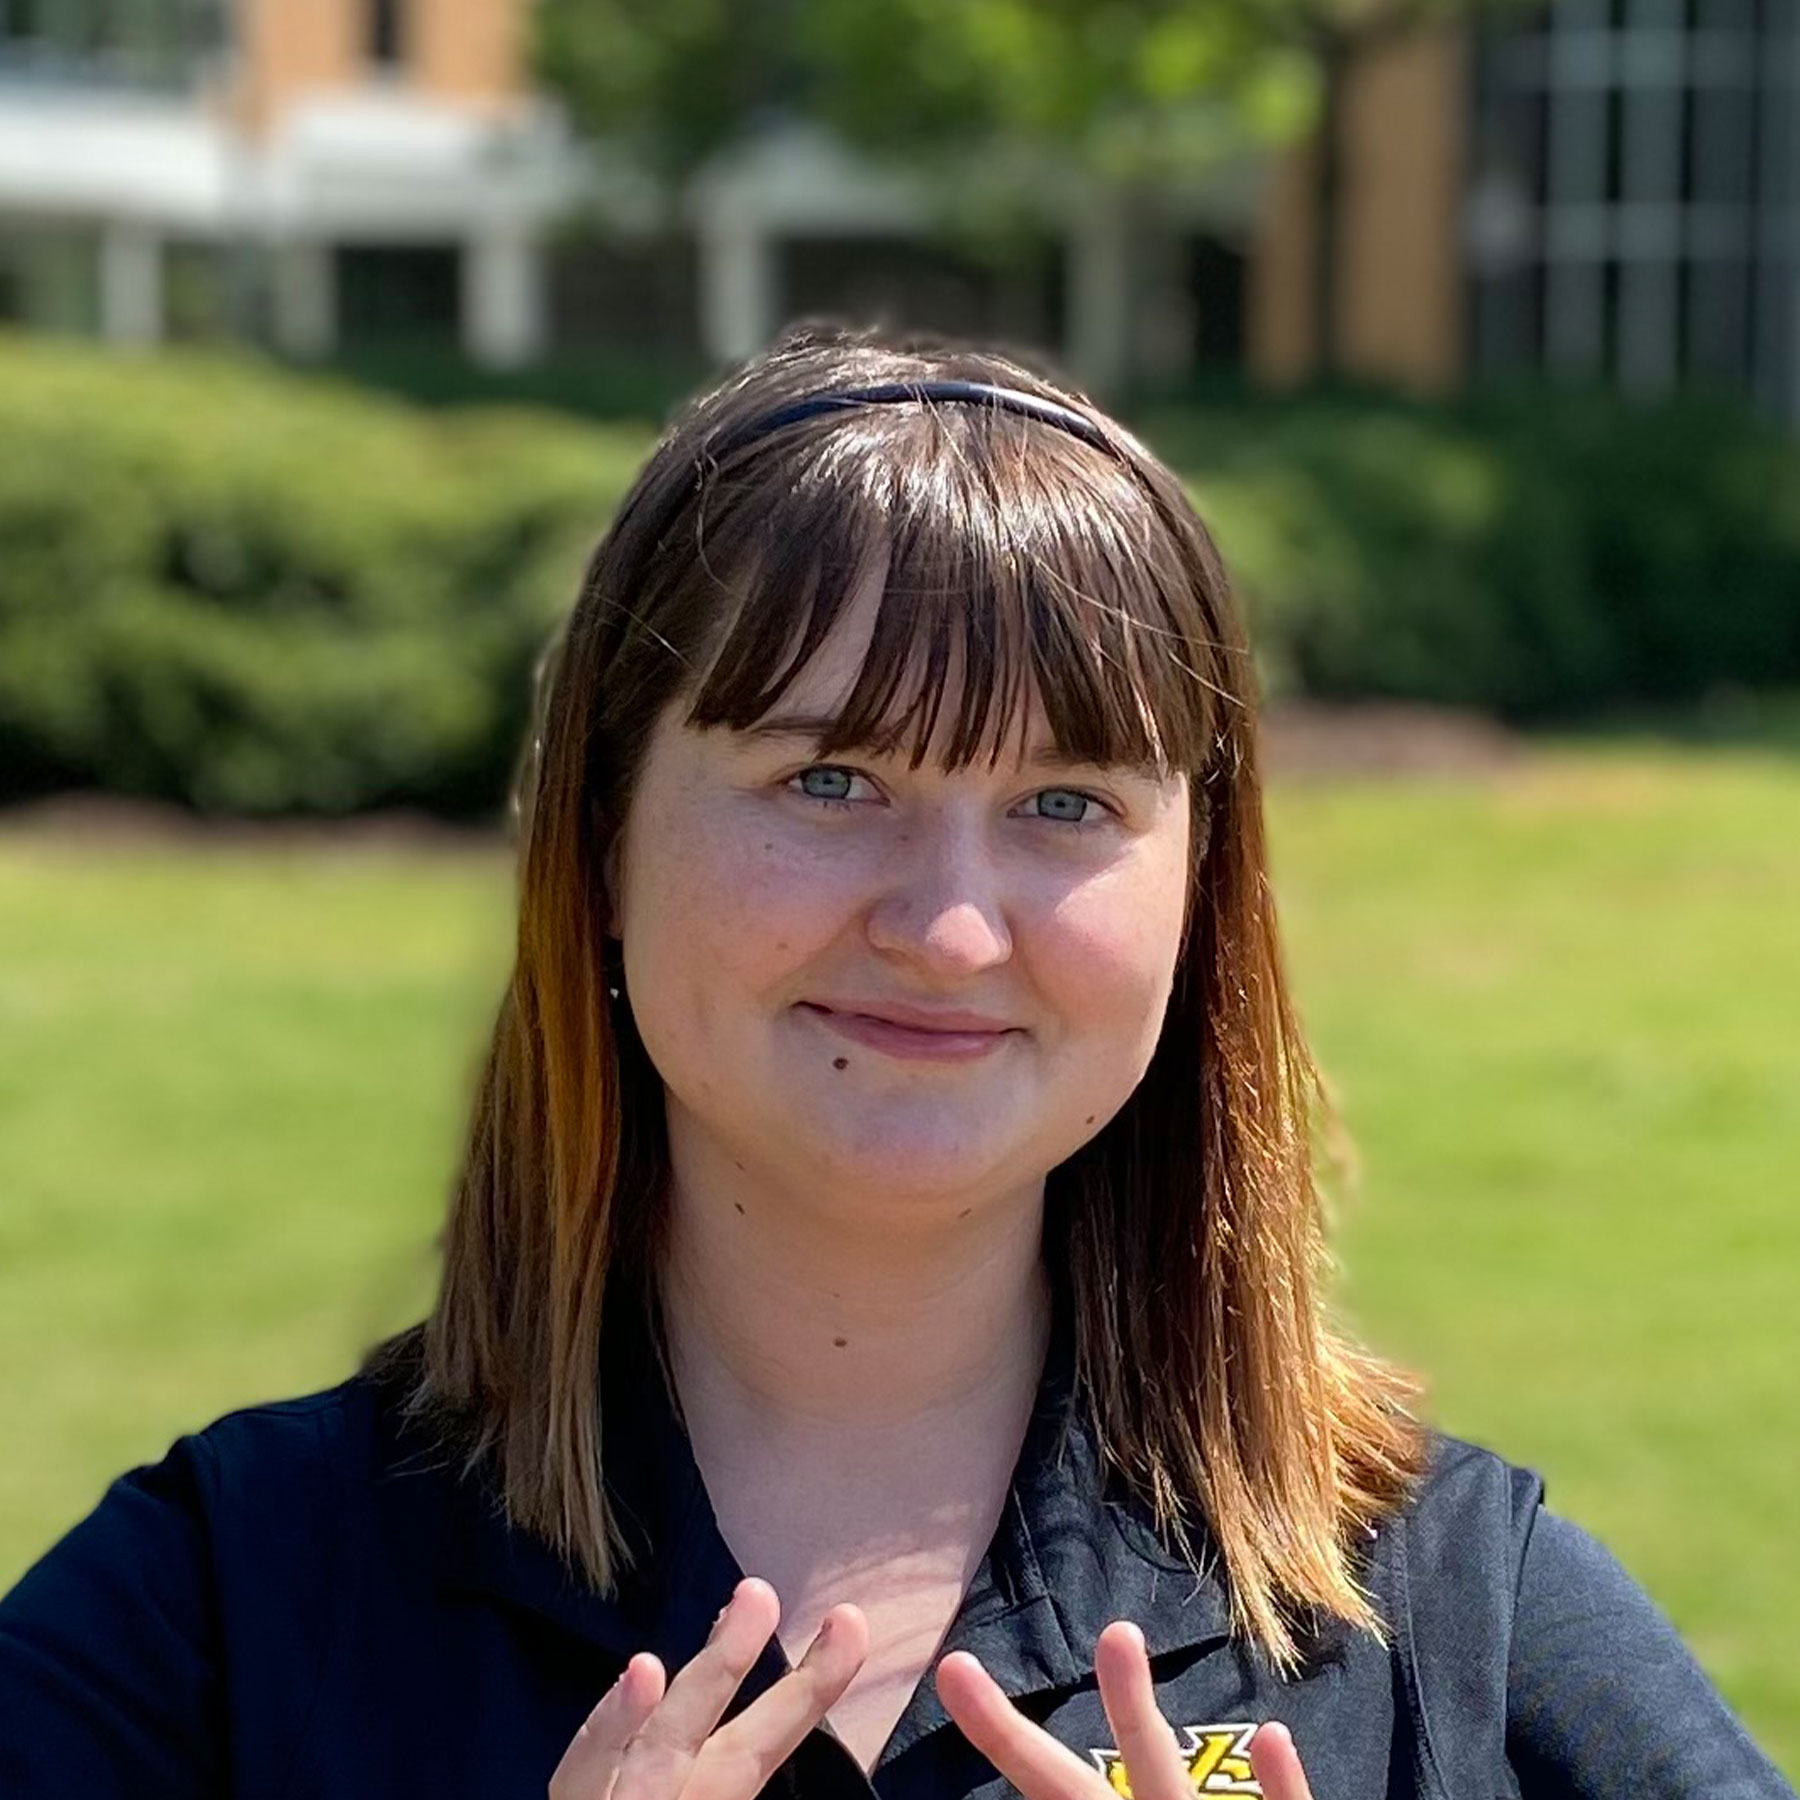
824,774
1065,805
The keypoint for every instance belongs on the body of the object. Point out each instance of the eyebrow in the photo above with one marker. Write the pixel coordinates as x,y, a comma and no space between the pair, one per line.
813,727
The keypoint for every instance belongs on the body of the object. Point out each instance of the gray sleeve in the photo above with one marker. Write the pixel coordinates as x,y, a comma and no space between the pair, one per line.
1604,1700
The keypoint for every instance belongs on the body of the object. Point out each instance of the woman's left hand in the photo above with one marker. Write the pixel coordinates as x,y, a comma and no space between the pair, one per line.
1042,1769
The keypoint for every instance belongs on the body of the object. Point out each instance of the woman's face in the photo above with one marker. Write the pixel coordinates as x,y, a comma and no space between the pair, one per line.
769,903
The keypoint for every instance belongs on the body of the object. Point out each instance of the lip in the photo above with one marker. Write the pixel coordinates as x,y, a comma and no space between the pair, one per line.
915,1018
912,1032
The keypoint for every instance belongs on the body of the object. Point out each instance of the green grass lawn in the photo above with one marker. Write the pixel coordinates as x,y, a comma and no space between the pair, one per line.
1560,1006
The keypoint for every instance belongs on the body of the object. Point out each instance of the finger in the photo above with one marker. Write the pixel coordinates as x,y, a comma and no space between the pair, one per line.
592,1758
1154,1764
739,1759
1276,1764
1024,1753
659,1759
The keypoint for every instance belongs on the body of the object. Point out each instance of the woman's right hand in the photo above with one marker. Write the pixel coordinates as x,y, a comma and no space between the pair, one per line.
642,1743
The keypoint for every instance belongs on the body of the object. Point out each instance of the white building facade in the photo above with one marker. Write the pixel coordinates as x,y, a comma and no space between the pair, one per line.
320,173
142,195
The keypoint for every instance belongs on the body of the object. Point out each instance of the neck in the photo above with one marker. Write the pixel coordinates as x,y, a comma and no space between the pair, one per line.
797,1321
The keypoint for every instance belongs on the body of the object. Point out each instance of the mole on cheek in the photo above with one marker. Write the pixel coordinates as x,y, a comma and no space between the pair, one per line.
840,1342
840,1062
738,1204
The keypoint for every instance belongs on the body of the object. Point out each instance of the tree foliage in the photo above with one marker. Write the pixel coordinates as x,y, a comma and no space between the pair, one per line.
1006,101
1125,89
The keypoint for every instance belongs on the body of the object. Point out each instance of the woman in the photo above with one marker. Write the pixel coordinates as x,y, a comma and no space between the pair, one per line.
891,1176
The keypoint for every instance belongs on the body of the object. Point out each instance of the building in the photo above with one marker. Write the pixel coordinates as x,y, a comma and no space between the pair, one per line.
1632,197
340,174
310,174
1597,191
1602,190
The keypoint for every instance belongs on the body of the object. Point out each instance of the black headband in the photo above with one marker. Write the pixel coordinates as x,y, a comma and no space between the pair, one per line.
982,393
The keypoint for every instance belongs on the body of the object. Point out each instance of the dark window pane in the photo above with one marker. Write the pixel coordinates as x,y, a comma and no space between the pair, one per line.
399,294
626,294
1216,283
926,286
1609,317
387,33
1508,320
21,21
1718,316
1579,142
1723,122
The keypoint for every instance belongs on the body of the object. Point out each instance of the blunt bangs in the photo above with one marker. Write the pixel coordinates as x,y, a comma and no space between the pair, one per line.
1012,558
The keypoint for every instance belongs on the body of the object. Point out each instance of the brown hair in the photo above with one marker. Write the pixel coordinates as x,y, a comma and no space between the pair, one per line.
1188,1232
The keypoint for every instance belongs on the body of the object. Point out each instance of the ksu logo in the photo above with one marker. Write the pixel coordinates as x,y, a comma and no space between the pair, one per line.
1217,1757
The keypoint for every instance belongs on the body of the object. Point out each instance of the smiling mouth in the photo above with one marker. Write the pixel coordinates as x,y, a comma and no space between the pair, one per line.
909,1043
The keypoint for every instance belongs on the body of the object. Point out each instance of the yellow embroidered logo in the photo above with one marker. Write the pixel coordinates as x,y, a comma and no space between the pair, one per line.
1218,1759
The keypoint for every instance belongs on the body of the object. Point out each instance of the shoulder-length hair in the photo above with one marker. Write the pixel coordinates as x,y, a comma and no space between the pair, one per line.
1188,1232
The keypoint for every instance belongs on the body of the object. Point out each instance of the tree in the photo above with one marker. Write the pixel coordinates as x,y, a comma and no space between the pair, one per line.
1123,87
674,82
1006,101
1088,114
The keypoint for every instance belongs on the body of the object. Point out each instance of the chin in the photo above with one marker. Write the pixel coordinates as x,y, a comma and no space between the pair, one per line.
911,1167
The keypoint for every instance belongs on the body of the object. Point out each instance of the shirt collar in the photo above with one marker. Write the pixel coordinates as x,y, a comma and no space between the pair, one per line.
1070,1553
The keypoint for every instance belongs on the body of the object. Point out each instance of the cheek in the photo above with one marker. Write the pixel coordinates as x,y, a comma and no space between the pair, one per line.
1110,971
1111,946
720,907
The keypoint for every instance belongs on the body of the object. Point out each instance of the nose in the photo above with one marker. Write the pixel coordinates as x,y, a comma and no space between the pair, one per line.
942,905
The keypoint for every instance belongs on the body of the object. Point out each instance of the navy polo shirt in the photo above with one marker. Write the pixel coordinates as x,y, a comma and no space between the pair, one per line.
305,1600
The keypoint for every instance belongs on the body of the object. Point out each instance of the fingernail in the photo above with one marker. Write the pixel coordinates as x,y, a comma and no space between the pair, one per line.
825,1627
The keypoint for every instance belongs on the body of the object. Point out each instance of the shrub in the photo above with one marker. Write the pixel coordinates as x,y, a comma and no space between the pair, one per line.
252,592
1535,555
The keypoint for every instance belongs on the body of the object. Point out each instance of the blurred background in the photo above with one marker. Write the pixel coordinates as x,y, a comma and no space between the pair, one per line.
331,332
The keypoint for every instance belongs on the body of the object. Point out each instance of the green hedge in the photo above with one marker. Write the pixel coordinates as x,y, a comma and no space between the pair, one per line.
251,592
256,592
1538,556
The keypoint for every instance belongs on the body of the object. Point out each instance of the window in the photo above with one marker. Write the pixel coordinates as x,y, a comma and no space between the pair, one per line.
398,296
1215,283
19,21
386,34
1630,141
164,44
